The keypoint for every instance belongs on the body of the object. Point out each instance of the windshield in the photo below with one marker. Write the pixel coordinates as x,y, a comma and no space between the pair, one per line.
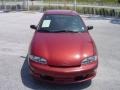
61,23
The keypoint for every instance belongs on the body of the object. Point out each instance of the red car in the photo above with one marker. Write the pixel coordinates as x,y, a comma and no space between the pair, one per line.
62,50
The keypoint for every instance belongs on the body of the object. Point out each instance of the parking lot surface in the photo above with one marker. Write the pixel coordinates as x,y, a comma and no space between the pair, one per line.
15,37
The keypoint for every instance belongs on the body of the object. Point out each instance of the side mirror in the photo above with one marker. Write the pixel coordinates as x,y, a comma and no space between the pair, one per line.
33,27
89,27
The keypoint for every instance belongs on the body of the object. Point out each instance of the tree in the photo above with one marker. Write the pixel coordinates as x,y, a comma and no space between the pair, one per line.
65,3
119,1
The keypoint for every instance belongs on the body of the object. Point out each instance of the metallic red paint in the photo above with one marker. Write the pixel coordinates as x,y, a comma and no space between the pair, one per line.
65,12
66,74
62,49
64,53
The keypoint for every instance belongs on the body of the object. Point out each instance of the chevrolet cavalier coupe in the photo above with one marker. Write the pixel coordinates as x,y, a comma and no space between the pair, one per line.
62,50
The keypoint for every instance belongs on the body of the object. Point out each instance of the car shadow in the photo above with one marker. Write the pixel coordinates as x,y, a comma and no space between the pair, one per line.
115,21
98,17
29,82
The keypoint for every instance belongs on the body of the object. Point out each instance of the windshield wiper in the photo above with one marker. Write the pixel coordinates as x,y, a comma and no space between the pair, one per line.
44,30
66,31
58,31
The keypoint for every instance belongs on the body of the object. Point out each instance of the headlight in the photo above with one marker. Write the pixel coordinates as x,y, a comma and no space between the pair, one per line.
38,59
89,60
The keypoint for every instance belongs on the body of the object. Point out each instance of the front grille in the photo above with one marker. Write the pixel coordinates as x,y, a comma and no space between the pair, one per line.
64,66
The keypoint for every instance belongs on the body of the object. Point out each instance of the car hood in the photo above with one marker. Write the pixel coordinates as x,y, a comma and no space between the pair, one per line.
62,49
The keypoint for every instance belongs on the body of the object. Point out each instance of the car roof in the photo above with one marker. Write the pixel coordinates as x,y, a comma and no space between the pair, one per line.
63,12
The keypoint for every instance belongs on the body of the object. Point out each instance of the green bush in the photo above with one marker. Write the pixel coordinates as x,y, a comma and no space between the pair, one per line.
34,8
82,10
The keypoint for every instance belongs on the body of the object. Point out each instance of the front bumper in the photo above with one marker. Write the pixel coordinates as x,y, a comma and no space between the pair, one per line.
63,75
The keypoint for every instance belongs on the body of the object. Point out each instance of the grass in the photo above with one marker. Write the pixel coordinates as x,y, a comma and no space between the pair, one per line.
85,1
83,10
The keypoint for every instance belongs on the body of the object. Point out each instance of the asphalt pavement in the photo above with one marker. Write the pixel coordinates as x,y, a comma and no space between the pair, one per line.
15,37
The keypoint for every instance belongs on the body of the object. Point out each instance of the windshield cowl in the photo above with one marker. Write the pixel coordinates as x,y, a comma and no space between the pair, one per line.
60,31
